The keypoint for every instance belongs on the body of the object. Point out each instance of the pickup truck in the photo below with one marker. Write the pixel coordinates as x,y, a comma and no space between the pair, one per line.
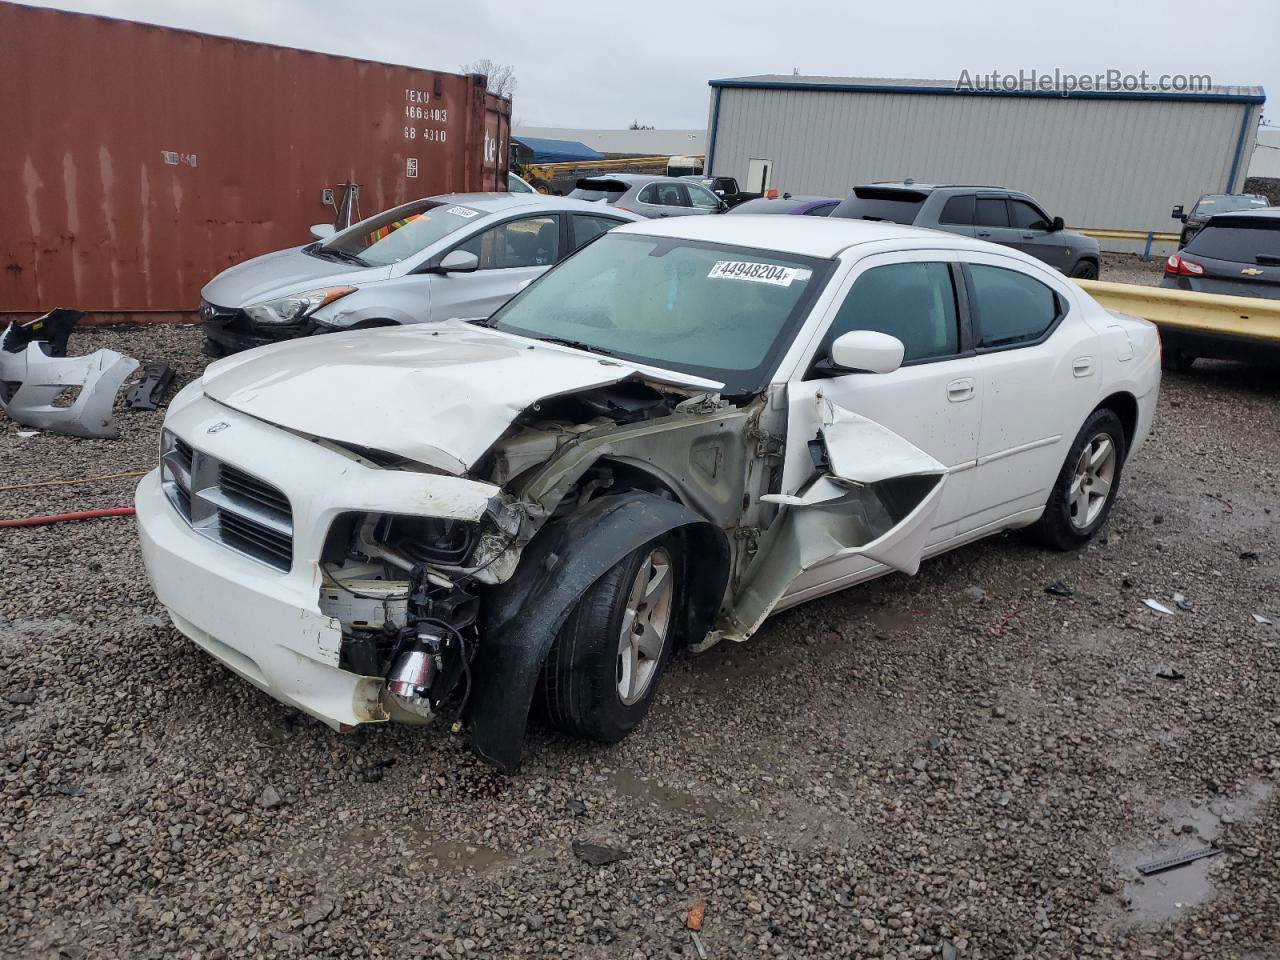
726,188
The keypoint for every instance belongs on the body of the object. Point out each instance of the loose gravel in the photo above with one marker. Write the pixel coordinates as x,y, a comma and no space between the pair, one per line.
957,764
1129,268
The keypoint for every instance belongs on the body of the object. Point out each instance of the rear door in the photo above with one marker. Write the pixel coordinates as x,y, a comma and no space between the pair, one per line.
991,220
586,227
1042,376
510,253
663,199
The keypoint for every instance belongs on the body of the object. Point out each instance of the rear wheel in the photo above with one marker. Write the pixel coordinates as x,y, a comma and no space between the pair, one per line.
602,672
1085,270
1087,484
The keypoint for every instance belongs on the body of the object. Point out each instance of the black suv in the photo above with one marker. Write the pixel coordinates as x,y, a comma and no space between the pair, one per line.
988,213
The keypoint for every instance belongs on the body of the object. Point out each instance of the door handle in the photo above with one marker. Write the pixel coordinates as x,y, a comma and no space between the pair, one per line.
1028,236
984,233
959,391
1082,366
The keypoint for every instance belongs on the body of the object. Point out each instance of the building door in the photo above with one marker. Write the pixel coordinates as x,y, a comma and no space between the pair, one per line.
759,175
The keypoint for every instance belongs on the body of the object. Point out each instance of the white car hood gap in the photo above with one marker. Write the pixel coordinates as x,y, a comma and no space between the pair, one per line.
438,394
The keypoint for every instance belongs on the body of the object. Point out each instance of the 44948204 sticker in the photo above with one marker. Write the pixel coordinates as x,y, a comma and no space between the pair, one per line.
770,273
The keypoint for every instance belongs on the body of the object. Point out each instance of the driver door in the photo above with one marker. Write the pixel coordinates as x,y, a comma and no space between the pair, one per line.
510,253
894,452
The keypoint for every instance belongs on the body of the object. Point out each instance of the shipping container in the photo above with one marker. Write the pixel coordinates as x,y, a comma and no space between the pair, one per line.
139,161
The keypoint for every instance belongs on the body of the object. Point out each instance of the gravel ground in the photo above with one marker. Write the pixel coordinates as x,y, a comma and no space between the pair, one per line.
957,764
1129,268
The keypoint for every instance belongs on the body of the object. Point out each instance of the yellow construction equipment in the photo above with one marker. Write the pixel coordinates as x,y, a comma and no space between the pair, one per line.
553,177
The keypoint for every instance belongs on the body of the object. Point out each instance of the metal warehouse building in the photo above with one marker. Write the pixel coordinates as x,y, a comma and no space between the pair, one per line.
1111,163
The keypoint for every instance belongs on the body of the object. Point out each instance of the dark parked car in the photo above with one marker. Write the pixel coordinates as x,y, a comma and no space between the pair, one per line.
726,188
1209,205
804,206
1237,254
987,213
650,196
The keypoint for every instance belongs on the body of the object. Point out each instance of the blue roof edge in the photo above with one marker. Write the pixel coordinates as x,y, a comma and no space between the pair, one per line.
956,92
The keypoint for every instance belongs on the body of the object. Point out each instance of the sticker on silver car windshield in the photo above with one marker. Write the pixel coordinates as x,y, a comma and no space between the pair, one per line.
463,212
757,272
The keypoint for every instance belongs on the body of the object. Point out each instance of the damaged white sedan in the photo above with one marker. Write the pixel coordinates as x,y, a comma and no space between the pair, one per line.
685,427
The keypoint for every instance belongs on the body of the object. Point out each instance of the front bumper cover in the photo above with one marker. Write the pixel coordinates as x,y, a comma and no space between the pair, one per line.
262,623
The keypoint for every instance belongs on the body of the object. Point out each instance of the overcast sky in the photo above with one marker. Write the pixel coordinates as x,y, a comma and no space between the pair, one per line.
651,61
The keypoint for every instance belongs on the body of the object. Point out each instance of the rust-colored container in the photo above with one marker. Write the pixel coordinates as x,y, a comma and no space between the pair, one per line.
136,162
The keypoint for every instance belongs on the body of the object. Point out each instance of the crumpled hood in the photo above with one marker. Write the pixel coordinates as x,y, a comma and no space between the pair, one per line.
437,393
280,274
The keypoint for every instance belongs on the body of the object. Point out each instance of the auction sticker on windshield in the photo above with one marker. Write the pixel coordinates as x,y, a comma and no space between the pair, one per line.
463,212
757,272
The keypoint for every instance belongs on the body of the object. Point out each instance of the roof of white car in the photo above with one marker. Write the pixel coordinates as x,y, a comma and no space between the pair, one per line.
504,202
807,236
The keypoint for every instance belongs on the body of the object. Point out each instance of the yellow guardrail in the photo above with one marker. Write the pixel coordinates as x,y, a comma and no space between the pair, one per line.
1099,233
1252,317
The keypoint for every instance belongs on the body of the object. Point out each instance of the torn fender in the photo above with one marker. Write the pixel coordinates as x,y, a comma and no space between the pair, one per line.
524,615
40,379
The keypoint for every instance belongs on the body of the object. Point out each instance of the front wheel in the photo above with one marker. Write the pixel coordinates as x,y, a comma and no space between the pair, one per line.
602,671
1087,485
1085,270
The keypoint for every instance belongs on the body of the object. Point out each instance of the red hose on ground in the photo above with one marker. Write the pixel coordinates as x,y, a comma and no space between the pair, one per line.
68,517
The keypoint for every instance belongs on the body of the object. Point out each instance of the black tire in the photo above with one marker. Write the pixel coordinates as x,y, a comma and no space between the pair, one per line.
1085,270
580,679
1058,527
1176,360
212,349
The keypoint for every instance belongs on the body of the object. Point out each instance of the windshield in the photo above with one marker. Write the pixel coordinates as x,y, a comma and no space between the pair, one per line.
398,234
716,311
1224,203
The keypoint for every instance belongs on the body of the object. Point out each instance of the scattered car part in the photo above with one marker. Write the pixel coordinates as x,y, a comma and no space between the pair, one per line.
1181,860
68,517
1259,618
35,373
1158,607
148,393
1059,589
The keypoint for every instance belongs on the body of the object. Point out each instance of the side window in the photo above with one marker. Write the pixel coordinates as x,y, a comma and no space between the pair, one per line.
665,195
587,228
1009,307
991,212
914,302
1025,216
702,198
822,211
531,242
959,210
649,194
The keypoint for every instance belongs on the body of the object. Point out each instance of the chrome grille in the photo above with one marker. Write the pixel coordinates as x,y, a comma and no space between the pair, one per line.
226,504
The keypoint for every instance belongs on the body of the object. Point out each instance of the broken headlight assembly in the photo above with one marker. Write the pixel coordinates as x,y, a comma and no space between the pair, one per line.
296,307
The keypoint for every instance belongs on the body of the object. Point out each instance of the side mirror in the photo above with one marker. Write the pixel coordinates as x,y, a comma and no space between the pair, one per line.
724,206
1057,225
458,261
322,231
1177,214
867,351
1184,218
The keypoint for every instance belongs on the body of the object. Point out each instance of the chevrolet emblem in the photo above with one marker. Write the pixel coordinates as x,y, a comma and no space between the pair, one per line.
1251,271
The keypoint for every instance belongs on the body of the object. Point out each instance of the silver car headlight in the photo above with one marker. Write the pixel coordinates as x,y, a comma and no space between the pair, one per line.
297,306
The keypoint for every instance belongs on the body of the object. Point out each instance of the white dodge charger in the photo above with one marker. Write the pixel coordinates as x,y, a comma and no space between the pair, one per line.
683,428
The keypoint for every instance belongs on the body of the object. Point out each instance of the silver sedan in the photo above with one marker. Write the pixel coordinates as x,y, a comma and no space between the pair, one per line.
459,255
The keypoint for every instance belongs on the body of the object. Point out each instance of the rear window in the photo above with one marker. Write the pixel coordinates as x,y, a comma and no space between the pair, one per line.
608,190
1237,241
881,203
